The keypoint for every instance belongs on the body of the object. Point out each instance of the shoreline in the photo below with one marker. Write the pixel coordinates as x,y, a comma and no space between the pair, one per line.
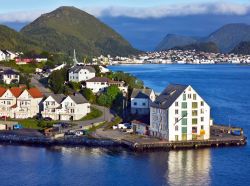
109,143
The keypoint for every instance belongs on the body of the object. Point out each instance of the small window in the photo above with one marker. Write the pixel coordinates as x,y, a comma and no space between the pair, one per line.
202,118
202,111
135,103
144,104
194,121
176,104
176,111
194,129
194,112
189,96
194,105
194,96
202,127
176,120
184,105
176,128
184,97
184,113
202,103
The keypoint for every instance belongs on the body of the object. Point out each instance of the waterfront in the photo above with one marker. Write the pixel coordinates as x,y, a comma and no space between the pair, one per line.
225,87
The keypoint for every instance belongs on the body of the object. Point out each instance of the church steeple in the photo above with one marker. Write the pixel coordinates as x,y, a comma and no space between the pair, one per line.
74,58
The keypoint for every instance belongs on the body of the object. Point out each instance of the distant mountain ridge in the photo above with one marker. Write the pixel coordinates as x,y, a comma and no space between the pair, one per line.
66,29
226,38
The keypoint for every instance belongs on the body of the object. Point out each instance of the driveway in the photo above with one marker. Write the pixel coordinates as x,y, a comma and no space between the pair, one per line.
35,81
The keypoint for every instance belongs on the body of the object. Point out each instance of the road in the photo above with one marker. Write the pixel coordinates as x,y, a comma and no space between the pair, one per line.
35,81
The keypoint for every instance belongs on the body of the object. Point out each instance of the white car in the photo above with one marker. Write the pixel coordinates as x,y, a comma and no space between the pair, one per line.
78,133
124,126
115,127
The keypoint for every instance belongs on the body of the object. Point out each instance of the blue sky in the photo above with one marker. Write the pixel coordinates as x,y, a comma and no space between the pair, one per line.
21,5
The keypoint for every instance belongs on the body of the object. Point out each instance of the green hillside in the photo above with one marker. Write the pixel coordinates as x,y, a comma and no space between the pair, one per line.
69,28
201,47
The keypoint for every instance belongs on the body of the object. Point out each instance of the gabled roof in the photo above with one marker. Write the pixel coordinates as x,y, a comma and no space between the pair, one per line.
35,93
141,93
10,72
58,97
16,91
99,79
78,98
2,91
168,96
77,69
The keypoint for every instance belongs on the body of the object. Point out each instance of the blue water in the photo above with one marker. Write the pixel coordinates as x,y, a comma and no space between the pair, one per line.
225,87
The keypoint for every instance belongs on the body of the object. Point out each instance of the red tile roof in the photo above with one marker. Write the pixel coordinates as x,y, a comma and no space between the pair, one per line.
35,93
2,91
16,91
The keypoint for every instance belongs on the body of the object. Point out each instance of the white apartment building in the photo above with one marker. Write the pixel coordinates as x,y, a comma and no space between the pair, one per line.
9,76
141,100
61,107
180,114
81,73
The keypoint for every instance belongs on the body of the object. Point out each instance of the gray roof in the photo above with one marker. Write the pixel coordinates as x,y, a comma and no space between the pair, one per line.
78,98
168,96
58,97
77,68
141,93
10,72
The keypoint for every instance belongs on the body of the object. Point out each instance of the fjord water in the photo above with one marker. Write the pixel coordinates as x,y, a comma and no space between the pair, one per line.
225,87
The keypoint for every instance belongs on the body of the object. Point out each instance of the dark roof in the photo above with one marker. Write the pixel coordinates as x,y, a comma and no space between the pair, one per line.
77,68
5,52
58,97
10,72
98,79
78,98
168,96
141,93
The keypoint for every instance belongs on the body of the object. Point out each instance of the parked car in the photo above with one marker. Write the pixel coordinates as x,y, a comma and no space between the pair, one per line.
115,127
124,126
79,133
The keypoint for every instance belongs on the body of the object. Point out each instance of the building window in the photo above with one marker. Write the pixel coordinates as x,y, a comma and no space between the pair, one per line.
202,111
176,104
194,105
202,127
194,130
189,96
176,120
202,103
202,118
144,104
194,112
194,121
135,103
194,96
184,130
184,121
176,128
176,111
184,113
184,97
184,105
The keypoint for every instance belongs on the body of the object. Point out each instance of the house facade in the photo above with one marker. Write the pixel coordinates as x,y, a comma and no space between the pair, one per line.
141,100
99,84
180,114
20,103
9,76
61,107
79,73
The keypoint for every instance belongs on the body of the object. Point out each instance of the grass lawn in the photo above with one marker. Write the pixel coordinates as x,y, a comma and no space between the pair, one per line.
95,113
34,124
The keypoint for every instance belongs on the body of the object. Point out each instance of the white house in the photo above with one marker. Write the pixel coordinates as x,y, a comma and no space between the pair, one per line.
20,103
7,55
141,125
98,84
179,113
80,73
9,76
61,107
141,100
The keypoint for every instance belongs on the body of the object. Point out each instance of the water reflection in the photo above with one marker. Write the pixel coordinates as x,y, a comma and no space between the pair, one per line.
189,167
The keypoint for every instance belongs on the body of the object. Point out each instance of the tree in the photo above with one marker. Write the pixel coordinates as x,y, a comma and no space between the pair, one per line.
89,95
76,86
108,98
25,79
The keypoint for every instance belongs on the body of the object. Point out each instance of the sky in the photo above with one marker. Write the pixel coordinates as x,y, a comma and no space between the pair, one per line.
144,23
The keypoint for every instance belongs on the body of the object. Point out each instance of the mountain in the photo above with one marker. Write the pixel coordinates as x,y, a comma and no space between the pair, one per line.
202,47
229,36
12,40
173,40
69,28
242,48
226,38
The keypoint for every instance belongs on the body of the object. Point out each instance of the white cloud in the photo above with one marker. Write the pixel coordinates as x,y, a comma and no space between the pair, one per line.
142,12
172,10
